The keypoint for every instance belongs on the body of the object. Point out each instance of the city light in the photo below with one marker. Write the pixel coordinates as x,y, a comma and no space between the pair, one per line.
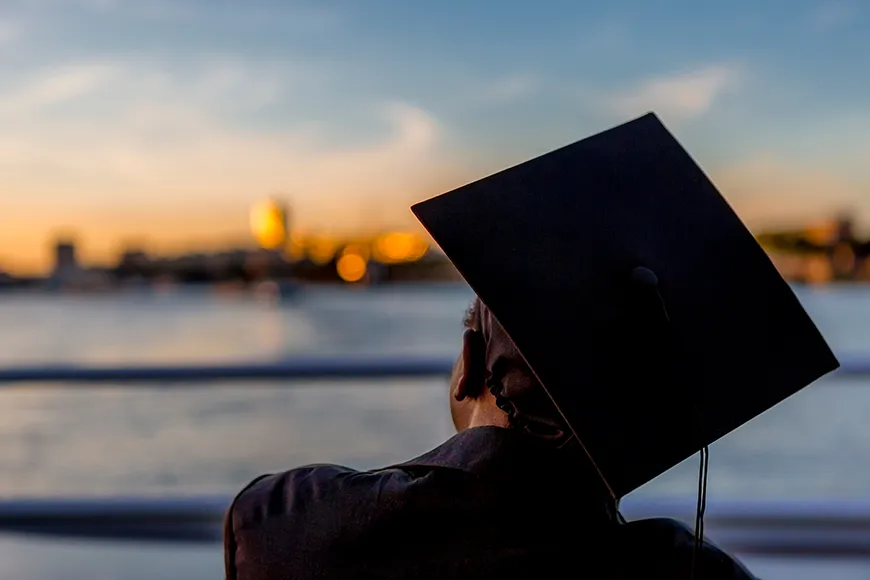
399,247
269,224
351,267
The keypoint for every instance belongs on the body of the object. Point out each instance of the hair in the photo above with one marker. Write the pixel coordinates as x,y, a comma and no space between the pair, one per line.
530,409
472,316
515,387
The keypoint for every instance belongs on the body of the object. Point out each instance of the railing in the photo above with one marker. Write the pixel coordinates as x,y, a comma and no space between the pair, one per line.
290,370
816,529
302,369
784,528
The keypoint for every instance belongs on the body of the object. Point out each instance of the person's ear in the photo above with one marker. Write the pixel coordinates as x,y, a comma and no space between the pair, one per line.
471,382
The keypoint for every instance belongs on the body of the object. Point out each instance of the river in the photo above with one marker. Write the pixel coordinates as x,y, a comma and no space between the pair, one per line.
61,441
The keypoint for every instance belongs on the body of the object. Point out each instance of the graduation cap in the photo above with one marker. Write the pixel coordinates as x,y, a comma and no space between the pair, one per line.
646,309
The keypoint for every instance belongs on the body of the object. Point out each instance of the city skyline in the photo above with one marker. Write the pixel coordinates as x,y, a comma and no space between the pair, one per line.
160,125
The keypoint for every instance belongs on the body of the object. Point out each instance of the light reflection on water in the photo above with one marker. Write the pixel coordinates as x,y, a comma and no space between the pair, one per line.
191,440
103,440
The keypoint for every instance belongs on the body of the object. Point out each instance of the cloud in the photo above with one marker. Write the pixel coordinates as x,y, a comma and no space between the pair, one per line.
292,16
167,156
606,37
54,87
417,131
478,92
510,88
174,129
218,87
833,14
10,31
679,96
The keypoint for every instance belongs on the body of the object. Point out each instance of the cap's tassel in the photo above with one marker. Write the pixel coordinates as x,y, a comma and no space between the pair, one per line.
700,509
646,278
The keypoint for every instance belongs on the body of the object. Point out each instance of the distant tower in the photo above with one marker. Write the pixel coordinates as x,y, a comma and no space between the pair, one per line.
65,260
845,228
269,224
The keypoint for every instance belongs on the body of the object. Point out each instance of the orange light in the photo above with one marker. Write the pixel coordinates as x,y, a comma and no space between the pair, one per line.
321,250
296,246
269,224
351,267
818,270
398,247
844,258
361,250
821,233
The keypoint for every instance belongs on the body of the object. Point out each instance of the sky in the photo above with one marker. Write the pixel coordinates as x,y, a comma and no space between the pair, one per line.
159,123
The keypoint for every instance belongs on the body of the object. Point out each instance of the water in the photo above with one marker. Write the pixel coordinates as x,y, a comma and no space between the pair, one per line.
99,441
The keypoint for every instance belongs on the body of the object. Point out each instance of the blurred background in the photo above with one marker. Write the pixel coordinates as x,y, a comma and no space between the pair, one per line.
197,182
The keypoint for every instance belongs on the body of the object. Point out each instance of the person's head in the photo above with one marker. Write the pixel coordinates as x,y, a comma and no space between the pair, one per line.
491,383
471,402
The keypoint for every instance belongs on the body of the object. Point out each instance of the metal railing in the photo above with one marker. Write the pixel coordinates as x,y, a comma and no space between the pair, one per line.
829,528
840,529
291,370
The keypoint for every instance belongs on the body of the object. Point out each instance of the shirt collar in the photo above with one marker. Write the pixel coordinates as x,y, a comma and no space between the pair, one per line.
510,455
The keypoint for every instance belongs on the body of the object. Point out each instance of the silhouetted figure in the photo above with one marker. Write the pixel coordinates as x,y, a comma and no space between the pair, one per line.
582,376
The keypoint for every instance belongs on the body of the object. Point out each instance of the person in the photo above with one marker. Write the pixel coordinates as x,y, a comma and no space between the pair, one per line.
482,505
572,387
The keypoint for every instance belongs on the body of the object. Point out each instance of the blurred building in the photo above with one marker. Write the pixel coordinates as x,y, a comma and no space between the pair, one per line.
821,252
68,273
65,261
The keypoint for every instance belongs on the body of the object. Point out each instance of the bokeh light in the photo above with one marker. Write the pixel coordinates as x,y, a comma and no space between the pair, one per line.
269,224
351,267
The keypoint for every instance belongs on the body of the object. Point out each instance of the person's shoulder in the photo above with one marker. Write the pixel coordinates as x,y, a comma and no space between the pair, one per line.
279,508
279,494
669,545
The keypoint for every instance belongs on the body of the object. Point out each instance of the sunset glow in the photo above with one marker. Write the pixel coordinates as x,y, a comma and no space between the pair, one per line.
125,129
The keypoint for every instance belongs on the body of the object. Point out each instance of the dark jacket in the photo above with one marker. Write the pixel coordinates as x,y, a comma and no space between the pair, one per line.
489,503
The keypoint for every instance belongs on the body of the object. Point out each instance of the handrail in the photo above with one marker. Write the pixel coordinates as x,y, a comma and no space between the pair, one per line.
827,528
300,368
796,528
286,370
175,520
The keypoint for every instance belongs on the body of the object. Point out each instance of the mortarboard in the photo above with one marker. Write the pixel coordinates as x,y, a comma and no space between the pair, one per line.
641,302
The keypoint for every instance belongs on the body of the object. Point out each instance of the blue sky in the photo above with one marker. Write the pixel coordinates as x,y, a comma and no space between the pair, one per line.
161,122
